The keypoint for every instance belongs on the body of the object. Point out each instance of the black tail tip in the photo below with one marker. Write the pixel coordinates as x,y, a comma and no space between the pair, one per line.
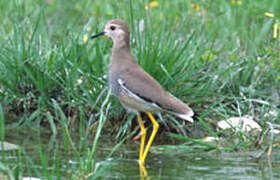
195,116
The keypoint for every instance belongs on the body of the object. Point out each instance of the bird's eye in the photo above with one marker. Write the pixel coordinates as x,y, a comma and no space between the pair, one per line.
112,28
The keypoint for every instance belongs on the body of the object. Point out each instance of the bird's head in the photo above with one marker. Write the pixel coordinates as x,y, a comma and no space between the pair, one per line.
117,30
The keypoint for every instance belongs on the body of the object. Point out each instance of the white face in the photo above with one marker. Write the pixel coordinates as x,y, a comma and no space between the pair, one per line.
114,31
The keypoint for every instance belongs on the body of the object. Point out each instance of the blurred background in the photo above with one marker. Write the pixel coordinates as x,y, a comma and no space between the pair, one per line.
222,57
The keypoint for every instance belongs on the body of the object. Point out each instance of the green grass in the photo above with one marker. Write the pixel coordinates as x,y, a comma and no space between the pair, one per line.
222,59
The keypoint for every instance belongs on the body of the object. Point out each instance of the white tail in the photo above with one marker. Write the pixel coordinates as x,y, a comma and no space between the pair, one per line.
186,117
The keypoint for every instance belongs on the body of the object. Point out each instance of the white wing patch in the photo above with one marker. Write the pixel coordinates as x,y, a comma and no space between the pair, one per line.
135,96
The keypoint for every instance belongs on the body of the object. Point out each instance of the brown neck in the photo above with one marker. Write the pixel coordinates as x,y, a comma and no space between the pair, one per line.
121,47
121,42
121,52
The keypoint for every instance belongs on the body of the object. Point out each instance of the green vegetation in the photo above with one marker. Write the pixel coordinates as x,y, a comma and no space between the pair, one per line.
220,56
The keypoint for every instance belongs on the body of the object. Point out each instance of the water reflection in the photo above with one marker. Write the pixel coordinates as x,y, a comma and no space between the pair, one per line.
174,164
143,172
199,166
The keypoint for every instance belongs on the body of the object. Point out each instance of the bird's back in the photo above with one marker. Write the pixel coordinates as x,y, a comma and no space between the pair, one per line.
141,84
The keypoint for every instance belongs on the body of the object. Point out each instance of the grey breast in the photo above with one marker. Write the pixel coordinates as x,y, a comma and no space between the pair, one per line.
113,83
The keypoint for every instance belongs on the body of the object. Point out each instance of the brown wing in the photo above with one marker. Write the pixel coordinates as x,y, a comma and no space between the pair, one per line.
145,86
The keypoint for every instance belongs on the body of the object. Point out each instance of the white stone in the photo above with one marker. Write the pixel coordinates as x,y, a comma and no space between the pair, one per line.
30,178
210,139
6,146
276,131
245,124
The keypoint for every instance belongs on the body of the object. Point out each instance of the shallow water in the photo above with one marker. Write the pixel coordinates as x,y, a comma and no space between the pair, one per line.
198,166
171,163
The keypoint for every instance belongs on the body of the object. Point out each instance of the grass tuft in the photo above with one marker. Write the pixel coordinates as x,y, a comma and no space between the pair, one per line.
220,57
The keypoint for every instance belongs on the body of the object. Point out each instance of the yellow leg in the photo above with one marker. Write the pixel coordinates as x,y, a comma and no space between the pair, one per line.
143,138
143,172
151,139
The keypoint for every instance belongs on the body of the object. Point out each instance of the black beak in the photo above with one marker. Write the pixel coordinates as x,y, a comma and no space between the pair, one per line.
96,35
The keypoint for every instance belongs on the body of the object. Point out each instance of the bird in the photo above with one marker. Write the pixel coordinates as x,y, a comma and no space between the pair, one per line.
136,90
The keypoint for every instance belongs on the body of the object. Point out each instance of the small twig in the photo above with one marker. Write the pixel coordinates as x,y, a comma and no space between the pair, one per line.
269,151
